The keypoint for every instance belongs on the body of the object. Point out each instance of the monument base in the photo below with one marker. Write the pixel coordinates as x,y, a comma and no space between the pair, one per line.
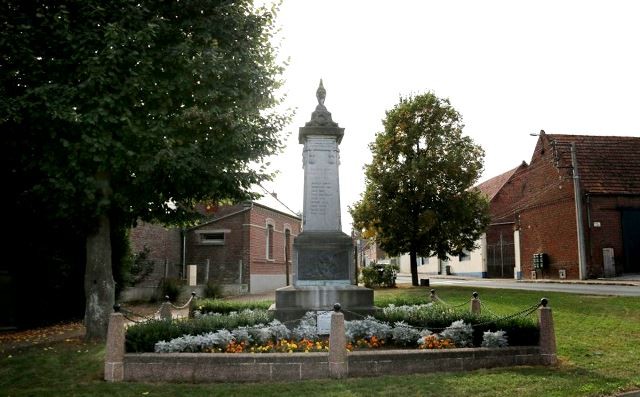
293,302
323,258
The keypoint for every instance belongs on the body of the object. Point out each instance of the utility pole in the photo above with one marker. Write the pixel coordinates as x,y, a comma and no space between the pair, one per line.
582,253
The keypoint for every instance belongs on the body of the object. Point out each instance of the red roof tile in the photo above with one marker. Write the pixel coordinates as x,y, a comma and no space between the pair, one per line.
492,186
606,164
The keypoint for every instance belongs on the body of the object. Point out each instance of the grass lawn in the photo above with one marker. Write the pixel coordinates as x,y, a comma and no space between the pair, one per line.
598,347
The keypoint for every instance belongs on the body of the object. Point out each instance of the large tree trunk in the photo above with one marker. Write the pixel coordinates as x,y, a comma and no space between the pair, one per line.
99,287
413,256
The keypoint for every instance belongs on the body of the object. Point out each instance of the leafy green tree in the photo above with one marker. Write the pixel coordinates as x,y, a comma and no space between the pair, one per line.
419,197
113,111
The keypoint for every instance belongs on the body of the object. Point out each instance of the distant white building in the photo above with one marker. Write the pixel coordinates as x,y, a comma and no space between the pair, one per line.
467,264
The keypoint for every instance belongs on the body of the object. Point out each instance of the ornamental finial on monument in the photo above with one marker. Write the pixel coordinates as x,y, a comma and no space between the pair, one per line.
321,117
321,94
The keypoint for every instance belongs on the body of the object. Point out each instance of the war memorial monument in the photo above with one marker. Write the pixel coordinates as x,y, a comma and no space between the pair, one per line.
324,271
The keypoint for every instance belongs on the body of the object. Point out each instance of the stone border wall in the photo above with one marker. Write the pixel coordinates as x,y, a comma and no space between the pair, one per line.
248,367
337,363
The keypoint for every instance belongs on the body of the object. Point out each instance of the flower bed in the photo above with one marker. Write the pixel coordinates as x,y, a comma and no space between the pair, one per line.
369,348
253,329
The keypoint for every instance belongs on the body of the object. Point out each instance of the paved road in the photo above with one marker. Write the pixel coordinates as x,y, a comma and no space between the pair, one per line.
576,288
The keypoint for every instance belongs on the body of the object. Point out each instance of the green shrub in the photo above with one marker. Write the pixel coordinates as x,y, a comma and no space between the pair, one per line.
170,287
378,275
205,306
212,290
142,337
522,331
140,266
386,300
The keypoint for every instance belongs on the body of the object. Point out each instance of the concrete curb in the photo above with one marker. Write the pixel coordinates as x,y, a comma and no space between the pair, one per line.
587,282
629,283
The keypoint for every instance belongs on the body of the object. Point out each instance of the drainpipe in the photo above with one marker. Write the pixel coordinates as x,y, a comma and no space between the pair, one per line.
589,239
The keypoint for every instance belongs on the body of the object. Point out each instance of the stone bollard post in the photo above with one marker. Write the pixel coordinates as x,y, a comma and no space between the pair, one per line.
475,304
547,334
114,355
433,295
192,304
338,365
165,310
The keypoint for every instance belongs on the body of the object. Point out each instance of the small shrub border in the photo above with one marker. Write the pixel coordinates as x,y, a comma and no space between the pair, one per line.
206,306
142,337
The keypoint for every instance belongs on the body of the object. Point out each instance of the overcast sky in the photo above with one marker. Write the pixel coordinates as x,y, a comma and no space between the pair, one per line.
511,68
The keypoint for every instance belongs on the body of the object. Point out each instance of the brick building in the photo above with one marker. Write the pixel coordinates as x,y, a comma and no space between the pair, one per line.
544,206
533,211
243,248
247,247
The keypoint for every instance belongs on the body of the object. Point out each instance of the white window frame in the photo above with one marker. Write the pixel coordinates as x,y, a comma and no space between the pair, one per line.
205,241
269,222
284,241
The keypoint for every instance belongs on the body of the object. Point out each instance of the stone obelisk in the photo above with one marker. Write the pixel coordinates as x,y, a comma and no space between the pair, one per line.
324,269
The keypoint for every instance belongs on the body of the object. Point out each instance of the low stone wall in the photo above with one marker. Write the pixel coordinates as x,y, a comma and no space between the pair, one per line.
337,363
248,367
402,362
224,367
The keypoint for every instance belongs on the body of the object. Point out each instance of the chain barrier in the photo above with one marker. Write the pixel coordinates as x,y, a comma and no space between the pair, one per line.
193,296
486,309
450,305
522,313
129,315
353,313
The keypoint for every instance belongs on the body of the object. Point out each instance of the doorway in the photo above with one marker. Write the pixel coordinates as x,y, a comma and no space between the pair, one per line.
501,258
631,240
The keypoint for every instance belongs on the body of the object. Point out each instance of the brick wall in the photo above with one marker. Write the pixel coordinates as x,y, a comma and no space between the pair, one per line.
550,229
606,211
165,244
545,214
260,217
224,259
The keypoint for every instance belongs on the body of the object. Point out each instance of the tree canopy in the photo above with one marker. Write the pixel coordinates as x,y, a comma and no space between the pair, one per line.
123,110
419,197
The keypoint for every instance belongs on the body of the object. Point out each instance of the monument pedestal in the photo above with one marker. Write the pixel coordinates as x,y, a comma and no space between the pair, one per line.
324,275
293,302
